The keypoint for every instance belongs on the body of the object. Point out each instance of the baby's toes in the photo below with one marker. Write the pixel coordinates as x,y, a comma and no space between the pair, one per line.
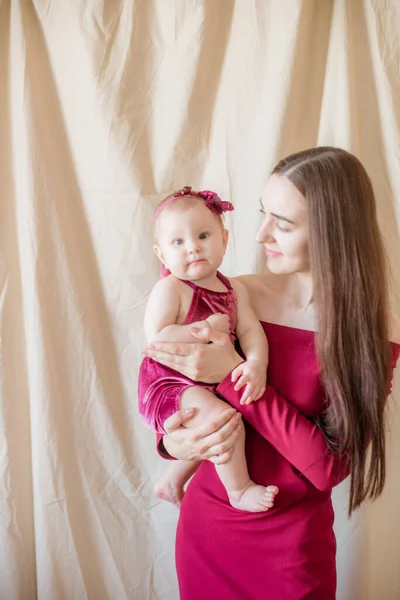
266,501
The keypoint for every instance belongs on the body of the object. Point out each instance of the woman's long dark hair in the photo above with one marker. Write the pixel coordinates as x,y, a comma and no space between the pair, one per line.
349,269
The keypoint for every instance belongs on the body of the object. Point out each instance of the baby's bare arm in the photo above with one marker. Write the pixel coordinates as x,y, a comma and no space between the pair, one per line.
248,328
253,373
178,333
162,311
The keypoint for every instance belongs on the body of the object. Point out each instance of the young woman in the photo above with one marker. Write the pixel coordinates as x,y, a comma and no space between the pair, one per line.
324,308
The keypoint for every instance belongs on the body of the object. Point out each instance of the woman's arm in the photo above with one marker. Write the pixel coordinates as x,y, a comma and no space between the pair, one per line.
299,440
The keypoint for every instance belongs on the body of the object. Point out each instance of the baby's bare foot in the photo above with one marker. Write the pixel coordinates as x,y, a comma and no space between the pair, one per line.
169,491
253,498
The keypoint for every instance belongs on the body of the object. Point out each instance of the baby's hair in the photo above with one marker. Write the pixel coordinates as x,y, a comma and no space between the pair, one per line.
186,200
187,197
176,203
182,201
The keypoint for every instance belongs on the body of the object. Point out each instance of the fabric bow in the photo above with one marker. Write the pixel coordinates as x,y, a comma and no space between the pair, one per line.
214,202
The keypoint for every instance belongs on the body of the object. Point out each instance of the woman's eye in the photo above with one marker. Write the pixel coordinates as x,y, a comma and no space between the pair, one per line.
284,229
203,235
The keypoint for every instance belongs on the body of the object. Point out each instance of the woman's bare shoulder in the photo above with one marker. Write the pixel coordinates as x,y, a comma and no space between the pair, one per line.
263,295
394,329
257,282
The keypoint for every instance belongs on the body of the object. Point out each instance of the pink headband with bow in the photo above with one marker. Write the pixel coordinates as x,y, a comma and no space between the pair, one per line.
210,199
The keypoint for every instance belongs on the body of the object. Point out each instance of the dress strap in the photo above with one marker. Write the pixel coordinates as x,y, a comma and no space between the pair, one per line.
189,283
224,280
221,277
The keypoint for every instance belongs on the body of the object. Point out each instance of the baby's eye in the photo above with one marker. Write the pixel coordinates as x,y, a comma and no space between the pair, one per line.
178,242
204,235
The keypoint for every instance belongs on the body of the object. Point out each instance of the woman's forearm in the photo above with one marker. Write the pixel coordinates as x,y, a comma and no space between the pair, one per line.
299,440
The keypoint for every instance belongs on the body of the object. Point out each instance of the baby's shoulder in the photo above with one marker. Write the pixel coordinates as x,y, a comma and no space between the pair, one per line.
167,286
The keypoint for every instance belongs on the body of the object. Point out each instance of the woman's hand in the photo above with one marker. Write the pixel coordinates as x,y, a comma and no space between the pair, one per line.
212,440
209,361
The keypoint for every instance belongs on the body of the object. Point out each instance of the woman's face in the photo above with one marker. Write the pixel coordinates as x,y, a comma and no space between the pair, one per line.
284,231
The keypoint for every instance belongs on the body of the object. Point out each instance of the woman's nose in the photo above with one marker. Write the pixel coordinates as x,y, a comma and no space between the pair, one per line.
264,233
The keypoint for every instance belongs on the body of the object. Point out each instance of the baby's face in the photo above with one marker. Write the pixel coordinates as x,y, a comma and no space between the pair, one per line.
191,241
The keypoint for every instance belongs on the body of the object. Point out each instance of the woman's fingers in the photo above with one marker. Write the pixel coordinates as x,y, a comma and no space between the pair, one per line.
209,334
221,439
207,362
222,424
220,453
181,357
206,441
175,348
213,441
176,420
164,358
221,459
182,363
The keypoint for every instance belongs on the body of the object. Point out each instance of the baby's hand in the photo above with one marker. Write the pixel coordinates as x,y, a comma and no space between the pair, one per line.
221,322
252,374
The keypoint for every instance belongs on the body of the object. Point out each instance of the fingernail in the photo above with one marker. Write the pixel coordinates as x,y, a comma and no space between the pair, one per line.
188,411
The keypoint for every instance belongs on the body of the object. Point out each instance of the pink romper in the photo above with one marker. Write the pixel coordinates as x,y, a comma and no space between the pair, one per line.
160,388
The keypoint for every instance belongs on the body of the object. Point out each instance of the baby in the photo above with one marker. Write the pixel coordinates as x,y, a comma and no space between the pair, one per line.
191,242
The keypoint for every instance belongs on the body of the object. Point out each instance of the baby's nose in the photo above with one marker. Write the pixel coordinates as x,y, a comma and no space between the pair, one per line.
194,246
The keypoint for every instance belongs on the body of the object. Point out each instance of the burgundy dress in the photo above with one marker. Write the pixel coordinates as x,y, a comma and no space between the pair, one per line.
160,388
287,553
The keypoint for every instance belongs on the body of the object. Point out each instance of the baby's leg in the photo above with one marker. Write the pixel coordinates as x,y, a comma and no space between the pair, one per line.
243,493
170,487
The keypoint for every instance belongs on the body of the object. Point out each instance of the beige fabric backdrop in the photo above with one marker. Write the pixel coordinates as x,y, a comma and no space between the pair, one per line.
105,106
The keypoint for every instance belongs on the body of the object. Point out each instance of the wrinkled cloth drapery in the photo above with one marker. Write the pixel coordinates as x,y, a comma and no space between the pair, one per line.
106,107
